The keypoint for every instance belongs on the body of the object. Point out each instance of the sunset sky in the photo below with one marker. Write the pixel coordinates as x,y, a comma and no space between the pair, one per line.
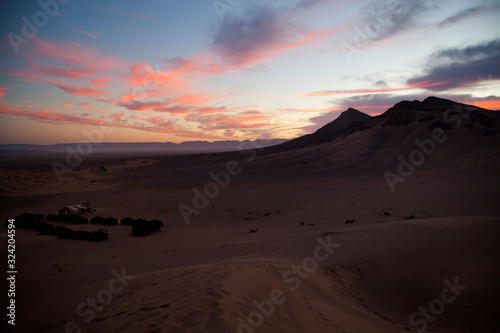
183,70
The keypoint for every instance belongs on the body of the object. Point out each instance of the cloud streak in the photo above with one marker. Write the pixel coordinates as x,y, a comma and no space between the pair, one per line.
461,67
395,16
465,14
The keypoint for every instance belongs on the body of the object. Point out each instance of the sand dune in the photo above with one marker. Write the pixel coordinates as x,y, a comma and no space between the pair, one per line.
364,286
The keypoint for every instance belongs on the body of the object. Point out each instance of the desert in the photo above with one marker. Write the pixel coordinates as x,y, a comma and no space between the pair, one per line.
421,257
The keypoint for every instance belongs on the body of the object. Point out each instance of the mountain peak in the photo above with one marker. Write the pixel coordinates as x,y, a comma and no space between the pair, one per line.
437,102
351,110
429,104
348,116
347,121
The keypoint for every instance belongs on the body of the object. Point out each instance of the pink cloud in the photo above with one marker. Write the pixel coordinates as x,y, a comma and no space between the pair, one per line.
144,80
249,119
82,91
87,106
175,105
67,66
101,82
3,91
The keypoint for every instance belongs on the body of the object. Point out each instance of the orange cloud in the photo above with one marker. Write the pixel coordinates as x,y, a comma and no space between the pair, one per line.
492,104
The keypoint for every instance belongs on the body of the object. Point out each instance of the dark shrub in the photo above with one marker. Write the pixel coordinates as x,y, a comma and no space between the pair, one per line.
98,236
146,227
77,220
27,220
46,229
83,235
104,220
65,233
53,218
127,221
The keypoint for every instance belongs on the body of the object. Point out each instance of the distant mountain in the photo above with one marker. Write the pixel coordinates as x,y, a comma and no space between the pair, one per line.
119,147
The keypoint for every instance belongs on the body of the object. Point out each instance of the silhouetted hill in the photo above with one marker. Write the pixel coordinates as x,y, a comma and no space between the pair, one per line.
348,122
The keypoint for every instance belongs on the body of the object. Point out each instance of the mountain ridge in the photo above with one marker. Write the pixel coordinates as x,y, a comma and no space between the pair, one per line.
462,131
106,147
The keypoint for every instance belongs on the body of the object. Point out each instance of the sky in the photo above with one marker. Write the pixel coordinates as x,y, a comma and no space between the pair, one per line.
189,70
